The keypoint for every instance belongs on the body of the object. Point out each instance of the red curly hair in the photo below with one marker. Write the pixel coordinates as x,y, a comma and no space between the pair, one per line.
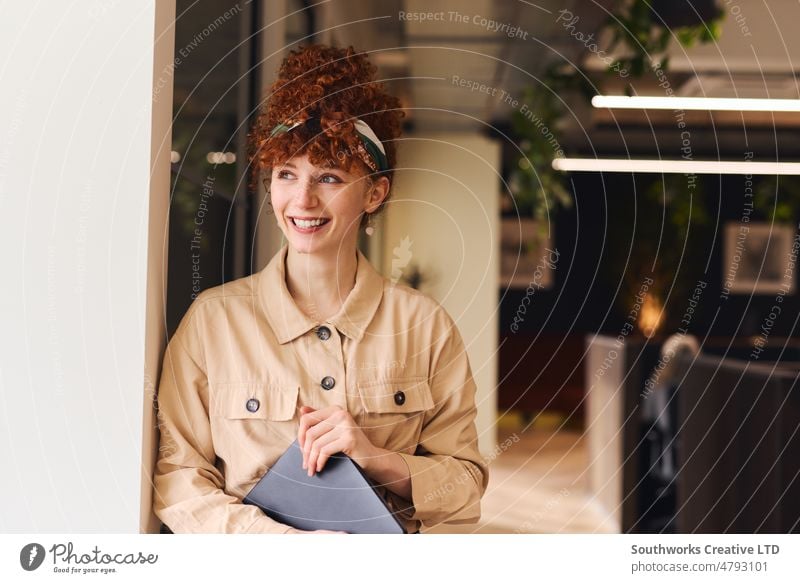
335,86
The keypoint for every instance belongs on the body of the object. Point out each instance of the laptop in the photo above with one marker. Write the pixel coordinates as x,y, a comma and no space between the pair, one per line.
340,497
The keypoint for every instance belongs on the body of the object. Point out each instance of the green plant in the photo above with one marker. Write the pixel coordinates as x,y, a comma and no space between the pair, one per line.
778,197
537,188
640,35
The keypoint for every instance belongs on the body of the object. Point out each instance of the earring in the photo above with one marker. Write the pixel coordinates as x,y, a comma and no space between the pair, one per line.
370,229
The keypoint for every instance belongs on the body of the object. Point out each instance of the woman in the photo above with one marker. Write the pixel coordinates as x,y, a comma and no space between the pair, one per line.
318,346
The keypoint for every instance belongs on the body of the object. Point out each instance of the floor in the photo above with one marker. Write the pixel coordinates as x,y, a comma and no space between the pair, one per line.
538,484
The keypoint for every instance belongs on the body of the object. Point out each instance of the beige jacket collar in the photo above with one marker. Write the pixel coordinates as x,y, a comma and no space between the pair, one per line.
289,321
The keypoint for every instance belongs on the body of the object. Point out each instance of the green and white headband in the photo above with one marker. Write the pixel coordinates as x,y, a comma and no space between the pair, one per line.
371,148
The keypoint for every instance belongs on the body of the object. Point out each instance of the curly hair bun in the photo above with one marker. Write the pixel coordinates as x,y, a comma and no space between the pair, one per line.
335,86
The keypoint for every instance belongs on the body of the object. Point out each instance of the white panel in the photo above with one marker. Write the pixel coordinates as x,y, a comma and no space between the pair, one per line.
446,202
757,36
75,166
604,411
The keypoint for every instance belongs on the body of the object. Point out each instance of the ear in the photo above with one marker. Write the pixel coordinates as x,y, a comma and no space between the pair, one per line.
377,194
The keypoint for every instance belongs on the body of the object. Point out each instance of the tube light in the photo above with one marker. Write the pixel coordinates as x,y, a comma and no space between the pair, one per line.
694,103
674,166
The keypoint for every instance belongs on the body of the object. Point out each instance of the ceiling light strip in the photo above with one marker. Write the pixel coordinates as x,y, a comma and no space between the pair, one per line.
674,166
694,103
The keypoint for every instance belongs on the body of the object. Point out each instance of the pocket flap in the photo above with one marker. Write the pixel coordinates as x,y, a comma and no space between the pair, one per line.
255,401
395,395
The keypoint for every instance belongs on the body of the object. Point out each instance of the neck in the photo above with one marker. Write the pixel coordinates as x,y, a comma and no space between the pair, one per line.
318,283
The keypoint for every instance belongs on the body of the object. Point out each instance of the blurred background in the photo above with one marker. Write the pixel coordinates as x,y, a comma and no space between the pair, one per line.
622,269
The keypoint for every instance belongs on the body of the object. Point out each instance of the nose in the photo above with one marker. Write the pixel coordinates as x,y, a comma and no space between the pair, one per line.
306,194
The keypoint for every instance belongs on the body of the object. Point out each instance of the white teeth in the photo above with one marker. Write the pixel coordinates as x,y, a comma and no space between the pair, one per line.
308,224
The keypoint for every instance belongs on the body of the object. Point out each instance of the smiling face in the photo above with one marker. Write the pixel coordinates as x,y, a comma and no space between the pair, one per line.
319,209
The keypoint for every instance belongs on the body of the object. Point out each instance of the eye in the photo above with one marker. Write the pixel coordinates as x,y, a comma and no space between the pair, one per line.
284,175
329,179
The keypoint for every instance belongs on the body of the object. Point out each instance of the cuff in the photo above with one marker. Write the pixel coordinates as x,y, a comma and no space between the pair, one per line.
423,485
444,489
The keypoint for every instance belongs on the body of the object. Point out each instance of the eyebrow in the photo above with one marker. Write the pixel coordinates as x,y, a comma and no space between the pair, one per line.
324,168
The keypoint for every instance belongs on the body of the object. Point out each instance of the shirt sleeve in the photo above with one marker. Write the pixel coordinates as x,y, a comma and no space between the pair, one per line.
448,474
188,487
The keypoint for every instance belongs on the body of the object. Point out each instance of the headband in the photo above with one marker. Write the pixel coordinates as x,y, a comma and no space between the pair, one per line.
370,147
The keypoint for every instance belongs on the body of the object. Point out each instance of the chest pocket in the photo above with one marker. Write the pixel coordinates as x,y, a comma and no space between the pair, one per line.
392,411
252,423
255,401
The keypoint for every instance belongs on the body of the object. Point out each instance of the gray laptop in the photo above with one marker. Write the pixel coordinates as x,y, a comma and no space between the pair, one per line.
340,497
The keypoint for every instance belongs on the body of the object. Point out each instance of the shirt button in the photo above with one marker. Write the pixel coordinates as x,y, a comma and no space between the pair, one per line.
323,332
252,405
399,397
327,383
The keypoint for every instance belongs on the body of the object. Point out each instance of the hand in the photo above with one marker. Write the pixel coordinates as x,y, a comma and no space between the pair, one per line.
331,430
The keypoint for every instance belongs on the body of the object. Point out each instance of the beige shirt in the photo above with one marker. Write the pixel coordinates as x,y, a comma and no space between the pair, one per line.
248,342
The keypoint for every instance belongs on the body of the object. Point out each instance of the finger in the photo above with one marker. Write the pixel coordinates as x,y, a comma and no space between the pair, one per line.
314,448
324,423
320,429
312,435
325,447
303,410
307,419
310,419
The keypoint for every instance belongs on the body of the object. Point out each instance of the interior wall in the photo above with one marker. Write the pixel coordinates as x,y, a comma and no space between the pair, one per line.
80,164
446,201
157,255
268,238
